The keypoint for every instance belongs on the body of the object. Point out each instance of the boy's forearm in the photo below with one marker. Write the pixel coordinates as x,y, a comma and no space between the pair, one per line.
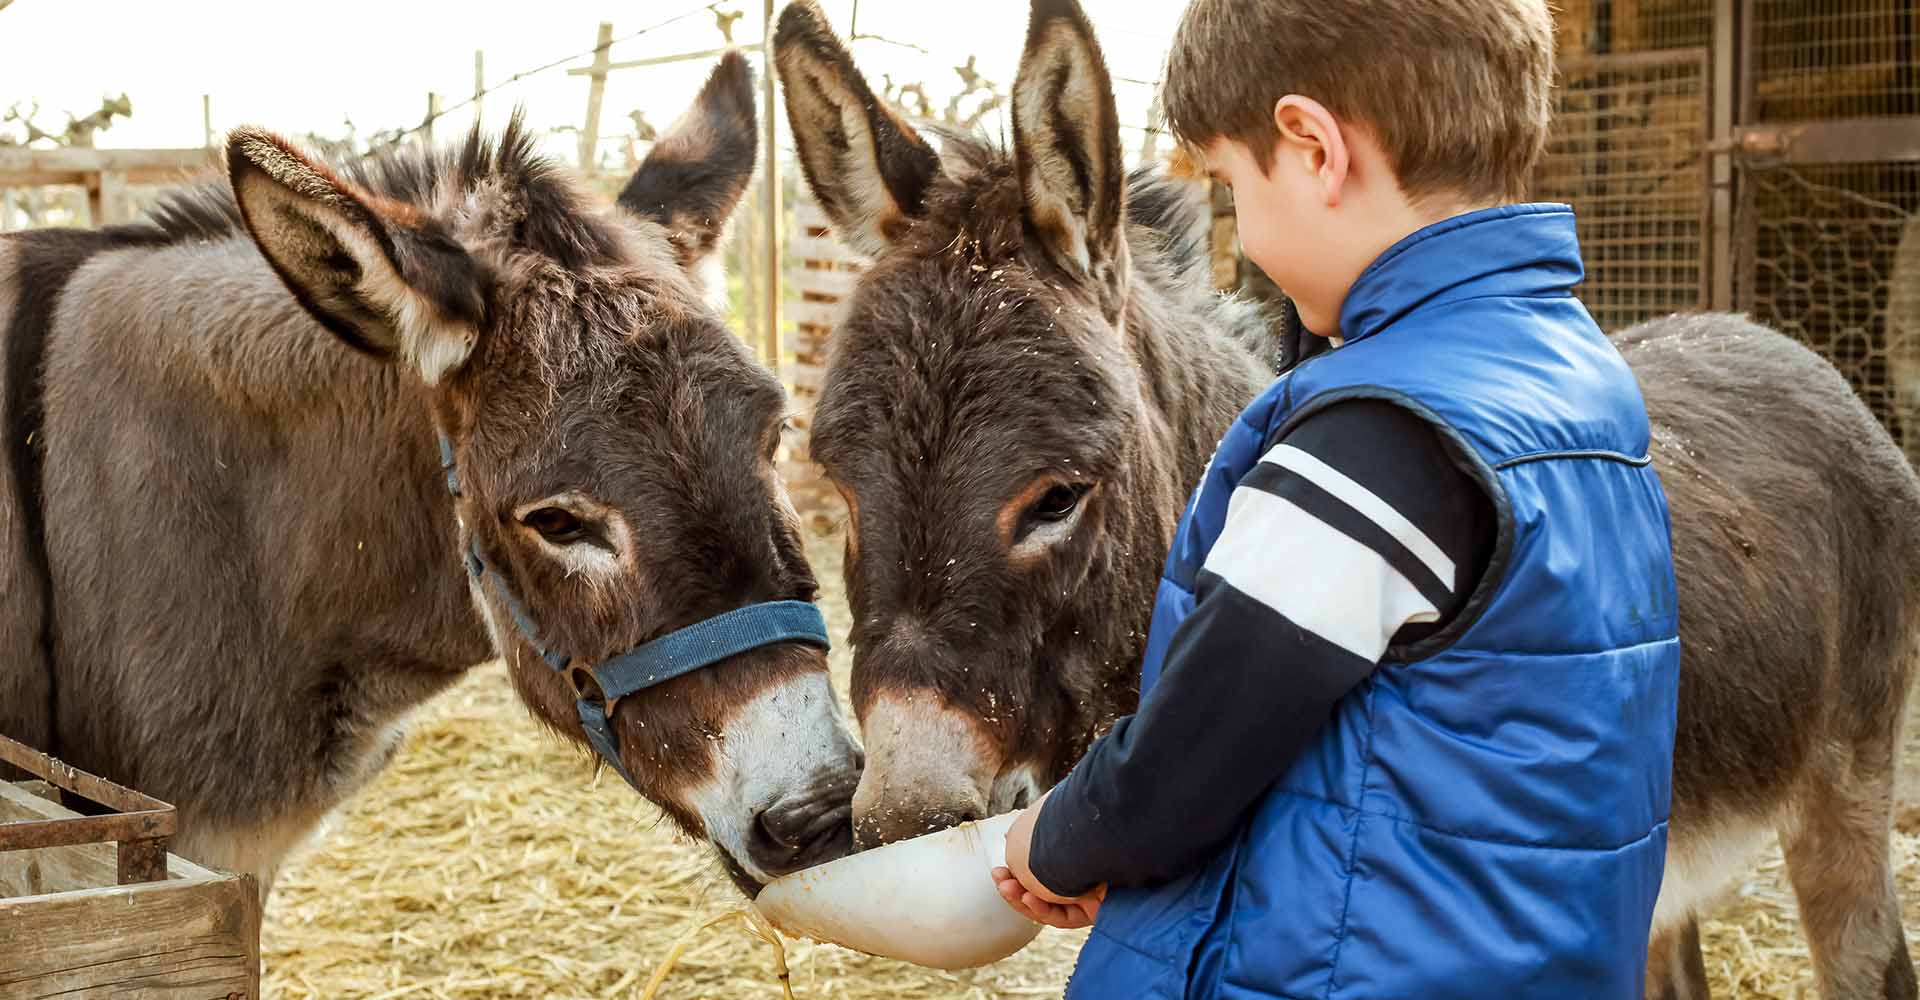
1327,553
1165,788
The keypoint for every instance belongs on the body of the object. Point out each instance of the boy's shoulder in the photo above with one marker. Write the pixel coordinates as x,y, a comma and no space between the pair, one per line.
1514,375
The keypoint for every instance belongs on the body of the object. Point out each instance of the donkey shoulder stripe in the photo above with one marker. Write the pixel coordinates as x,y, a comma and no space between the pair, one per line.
44,262
1358,497
1269,550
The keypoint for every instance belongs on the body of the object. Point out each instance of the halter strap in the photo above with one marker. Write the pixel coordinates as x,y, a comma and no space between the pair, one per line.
675,654
705,643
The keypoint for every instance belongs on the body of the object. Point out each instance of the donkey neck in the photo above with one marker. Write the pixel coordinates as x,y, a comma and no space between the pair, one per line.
1196,355
326,455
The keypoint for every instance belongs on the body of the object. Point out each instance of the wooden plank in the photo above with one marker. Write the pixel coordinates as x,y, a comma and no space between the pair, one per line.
28,833
172,940
1651,59
822,314
49,869
147,815
39,167
808,215
827,248
838,284
109,198
802,377
61,869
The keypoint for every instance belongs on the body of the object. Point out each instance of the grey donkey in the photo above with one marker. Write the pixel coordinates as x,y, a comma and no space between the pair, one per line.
1033,372
231,559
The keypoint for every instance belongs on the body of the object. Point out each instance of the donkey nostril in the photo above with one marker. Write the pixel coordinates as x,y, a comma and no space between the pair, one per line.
949,818
791,836
799,824
781,825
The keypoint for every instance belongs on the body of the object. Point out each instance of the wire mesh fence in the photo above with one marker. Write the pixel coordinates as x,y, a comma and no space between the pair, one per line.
1825,244
1824,59
1613,27
1825,254
1627,150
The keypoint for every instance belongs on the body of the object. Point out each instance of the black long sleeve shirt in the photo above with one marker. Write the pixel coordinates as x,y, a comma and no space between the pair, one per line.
1358,529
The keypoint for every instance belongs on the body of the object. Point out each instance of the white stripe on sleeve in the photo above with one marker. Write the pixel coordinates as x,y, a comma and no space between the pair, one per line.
1361,499
1317,577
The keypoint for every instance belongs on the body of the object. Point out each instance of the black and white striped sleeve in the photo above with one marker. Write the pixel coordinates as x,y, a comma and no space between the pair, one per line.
1357,530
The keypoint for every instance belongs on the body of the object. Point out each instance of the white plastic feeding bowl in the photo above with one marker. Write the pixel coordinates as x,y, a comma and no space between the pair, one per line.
930,900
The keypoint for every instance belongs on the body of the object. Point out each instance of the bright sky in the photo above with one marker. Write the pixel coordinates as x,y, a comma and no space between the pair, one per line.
300,67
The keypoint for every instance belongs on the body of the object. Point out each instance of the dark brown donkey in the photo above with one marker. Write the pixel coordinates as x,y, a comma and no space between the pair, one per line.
1026,385
228,540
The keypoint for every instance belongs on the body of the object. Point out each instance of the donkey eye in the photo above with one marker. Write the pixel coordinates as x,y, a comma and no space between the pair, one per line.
556,525
1059,503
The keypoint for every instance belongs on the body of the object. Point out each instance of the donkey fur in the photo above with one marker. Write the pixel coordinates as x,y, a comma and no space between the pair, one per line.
971,362
229,542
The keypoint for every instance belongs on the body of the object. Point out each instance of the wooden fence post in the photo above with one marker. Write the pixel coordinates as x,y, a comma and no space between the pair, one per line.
771,159
107,198
596,89
433,115
479,83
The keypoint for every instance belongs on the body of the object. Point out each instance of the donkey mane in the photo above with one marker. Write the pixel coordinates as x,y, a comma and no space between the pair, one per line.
1169,236
557,220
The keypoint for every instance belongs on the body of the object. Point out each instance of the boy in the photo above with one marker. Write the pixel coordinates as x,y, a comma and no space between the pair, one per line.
1407,708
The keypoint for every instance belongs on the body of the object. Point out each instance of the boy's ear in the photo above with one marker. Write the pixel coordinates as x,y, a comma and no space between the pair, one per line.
378,274
1066,144
1309,132
867,167
695,176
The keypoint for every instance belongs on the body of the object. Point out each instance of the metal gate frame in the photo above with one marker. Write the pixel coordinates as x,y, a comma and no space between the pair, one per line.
1632,180
1739,143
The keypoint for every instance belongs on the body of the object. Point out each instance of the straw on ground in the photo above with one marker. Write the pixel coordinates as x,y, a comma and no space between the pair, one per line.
488,861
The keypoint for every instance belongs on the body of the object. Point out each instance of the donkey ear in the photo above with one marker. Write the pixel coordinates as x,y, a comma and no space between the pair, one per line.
867,167
695,176
382,277
1066,143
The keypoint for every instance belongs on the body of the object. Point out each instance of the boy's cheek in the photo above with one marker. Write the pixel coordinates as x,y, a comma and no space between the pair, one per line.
1262,245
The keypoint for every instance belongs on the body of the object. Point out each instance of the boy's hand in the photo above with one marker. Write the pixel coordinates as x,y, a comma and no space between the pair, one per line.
1066,916
1027,894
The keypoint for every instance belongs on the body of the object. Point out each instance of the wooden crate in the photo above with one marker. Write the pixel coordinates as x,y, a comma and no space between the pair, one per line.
95,906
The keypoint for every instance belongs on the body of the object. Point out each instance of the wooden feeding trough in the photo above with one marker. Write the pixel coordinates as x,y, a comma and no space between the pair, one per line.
94,905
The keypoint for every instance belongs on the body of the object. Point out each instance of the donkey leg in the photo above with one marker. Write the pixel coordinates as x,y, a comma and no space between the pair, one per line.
1704,857
1676,970
1838,858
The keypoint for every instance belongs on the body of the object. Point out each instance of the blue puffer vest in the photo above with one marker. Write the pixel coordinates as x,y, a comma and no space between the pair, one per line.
1485,818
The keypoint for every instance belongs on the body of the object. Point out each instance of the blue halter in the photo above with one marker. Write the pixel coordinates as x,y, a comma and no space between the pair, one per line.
701,644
